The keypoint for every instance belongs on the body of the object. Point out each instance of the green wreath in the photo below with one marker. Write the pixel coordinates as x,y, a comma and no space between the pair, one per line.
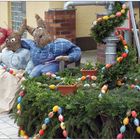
102,27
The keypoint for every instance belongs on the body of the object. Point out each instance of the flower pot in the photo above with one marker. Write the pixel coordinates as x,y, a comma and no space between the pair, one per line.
89,72
67,89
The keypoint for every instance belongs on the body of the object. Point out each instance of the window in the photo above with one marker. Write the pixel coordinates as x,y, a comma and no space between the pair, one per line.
18,13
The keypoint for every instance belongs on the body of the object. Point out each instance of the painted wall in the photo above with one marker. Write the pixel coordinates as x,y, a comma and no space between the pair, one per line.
3,14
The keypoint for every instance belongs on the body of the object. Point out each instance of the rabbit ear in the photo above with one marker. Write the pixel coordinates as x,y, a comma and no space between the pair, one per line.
22,27
40,22
30,30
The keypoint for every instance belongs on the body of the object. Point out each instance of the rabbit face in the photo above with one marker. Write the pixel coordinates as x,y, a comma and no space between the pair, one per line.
41,37
40,34
13,41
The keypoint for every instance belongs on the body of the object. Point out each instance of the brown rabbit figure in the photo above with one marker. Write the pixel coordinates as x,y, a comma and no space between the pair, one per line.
14,56
46,53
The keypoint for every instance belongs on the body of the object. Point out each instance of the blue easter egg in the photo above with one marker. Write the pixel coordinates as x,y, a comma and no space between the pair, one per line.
136,122
58,78
122,129
60,110
127,51
19,99
47,120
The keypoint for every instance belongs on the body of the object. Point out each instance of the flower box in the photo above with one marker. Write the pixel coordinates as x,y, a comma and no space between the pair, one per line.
89,72
67,89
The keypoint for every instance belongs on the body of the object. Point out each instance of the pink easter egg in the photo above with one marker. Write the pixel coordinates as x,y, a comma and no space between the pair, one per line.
118,14
124,6
120,136
65,134
60,118
134,114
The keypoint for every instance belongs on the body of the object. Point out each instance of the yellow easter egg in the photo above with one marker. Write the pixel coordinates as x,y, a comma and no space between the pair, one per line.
126,121
52,87
22,132
105,17
126,47
119,59
138,129
18,107
122,11
62,125
44,126
55,108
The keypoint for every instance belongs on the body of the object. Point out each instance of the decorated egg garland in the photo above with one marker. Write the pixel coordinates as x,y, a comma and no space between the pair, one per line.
56,109
136,122
11,71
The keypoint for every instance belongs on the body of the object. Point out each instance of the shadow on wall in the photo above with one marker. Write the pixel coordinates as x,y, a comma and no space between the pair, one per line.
86,43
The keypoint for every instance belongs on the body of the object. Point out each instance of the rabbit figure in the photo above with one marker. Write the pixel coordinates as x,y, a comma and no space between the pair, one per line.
13,55
46,52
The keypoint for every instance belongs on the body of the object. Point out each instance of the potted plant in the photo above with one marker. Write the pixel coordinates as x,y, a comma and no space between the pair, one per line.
67,86
89,69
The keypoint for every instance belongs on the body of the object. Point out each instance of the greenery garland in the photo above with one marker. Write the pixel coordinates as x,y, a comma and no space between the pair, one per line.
105,25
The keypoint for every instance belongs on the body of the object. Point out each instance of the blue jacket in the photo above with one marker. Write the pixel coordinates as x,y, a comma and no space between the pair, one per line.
49,52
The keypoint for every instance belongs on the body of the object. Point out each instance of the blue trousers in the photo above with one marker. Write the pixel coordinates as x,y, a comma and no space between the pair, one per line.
39,69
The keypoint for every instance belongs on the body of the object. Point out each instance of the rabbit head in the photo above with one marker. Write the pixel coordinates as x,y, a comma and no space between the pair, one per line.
40,34
4,33
13,41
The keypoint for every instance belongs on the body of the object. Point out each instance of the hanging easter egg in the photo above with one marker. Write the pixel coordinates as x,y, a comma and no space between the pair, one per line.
126,121
122,11
103,68
138,129
18,107
44,126
103,91
105,87
124,6
50,114
79,79
53,75
11,71
62,125
126,51
19,99
26,137
124,55
83,78
105,17
60,118
48,74
65,134
19,112
108,66
132,86
100,95
22,132
93,85
124,42
120,136
47,120
58,78
94,78
112,16
99,19
41,132
134,114
118,14
128,113
136,122
86,85
122,129
119,59
126,47
21,93
60,110
55,108
95,23
52,87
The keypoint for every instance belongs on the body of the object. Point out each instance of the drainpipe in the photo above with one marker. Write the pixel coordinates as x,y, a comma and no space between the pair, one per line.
112,40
